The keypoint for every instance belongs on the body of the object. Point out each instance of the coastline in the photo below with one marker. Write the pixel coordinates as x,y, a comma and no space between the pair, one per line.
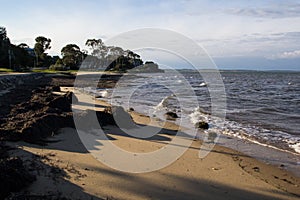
224,173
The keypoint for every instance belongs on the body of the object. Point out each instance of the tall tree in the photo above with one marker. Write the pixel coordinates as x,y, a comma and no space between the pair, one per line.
42,44
99,51
72,56
94,44
5,51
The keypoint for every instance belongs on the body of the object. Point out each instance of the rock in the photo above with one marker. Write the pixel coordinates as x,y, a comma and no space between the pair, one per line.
91,119
256,169
131,109
122,118
71,97
171,115
202,125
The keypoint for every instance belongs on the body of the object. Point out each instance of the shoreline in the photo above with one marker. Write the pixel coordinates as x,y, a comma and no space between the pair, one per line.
223,173
263,152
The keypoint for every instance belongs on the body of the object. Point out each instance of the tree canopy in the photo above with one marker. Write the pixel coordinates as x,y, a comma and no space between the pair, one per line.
111,58
101,57
72,56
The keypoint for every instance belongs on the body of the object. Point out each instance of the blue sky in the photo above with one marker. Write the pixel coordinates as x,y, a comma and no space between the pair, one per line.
236,34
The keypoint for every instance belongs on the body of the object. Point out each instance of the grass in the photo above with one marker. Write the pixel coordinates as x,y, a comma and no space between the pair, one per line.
52,71
6,70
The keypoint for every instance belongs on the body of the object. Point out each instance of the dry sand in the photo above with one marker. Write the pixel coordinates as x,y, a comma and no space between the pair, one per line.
66,168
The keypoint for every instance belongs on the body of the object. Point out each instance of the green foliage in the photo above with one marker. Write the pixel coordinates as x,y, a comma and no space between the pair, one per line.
21,59
104,58
4,48
111,58
58,66
42,44
6,70
72,56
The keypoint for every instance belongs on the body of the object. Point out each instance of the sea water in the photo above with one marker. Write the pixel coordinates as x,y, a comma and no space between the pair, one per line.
262,108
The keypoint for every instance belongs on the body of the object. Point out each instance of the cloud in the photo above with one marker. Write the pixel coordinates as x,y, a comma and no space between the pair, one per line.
274,11
256,44
286,55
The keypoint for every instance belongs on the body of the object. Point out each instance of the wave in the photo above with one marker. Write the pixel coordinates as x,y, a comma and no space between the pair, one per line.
271,138
198,115
104,94
164,102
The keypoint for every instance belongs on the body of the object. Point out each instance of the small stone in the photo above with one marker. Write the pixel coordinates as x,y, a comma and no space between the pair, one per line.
256,169
202,125
171,115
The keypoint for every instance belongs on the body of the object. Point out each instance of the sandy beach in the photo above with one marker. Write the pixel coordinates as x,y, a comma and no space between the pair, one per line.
64,168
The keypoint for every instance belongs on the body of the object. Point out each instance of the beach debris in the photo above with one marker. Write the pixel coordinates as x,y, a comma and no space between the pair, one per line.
256,169
56,88
61,102
115,116
71,97
202,125
38,117
171,115
13,175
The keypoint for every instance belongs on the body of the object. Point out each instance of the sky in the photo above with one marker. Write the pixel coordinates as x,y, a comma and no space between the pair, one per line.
259,35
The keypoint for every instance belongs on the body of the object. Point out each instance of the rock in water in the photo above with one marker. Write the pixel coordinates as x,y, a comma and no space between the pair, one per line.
202,125
171,115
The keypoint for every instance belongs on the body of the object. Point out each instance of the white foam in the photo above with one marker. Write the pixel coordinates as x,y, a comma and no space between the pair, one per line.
103,94
203,84
164,103
296,147
197,115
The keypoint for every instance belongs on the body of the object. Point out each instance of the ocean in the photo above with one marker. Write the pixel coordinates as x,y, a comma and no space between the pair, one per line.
262,108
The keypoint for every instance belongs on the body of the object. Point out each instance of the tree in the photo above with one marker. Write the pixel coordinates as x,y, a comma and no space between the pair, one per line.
99,51
94,44
111,57
72,56
3,33
23,46
4,48
42,44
